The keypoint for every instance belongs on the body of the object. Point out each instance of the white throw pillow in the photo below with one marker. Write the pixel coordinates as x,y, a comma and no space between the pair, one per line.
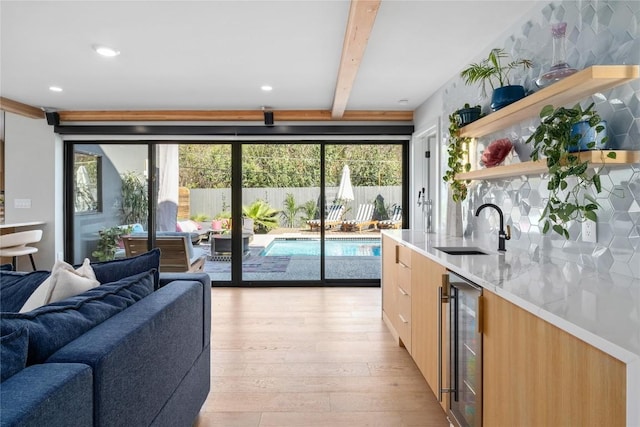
64,282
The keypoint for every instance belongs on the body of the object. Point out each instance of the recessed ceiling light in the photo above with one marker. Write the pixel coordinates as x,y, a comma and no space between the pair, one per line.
403,101
266,88
55,88
106,51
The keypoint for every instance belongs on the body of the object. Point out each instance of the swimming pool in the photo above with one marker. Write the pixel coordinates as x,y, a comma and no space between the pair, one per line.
333,247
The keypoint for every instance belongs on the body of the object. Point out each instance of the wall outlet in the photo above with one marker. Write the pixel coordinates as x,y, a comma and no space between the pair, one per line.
589,231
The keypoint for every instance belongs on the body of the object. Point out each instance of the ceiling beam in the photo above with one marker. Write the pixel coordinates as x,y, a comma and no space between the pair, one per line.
231,115
362,15
16,107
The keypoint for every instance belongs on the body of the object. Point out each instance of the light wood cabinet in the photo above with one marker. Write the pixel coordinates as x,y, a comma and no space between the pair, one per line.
389,284
535,374
430,357
396,290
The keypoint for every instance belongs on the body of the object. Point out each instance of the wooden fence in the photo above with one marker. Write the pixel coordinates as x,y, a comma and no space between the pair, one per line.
211,202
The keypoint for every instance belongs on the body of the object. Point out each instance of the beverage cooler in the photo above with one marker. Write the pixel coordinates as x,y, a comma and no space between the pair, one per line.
465,350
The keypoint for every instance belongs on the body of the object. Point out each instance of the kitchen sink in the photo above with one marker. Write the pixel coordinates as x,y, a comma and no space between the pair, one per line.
461,250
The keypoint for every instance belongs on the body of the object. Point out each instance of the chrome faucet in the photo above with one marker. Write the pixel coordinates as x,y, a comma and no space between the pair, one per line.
426,209
502,235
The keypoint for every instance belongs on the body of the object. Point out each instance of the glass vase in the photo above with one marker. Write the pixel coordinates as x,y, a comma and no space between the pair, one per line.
559,67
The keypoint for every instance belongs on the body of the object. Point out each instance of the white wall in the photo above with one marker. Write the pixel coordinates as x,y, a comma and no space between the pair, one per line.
33,170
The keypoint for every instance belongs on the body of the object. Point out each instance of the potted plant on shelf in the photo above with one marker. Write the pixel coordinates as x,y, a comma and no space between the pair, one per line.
458,150
491,71
469,114
570,179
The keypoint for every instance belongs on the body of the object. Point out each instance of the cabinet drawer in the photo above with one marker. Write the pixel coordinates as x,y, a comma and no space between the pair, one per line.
404,278
403,255
404,318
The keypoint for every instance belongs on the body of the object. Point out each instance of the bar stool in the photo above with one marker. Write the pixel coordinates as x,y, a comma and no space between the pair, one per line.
15,245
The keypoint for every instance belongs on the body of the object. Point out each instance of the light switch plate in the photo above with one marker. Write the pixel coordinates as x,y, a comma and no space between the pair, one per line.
589,231
22,203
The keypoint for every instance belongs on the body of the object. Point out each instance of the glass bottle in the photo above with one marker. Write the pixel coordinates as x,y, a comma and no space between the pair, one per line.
559,67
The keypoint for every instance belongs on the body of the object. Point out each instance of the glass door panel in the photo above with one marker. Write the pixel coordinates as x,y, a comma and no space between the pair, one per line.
364,181
203,200
280,195
105,201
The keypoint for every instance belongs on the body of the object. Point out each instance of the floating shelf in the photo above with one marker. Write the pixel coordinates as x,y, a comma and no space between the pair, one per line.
568,90
594,157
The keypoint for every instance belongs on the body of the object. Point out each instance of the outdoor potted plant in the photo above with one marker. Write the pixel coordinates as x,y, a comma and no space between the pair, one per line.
570,180
110,241
491,71
264,217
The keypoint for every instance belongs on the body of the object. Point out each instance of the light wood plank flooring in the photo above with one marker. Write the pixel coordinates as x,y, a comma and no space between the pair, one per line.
310,357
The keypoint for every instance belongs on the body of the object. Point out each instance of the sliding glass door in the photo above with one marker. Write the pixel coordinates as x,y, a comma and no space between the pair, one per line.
280,198
108,184
364,182
257,213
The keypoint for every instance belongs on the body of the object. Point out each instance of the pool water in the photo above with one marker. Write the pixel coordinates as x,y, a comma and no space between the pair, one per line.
333,247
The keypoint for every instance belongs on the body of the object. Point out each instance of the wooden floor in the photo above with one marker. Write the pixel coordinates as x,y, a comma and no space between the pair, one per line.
317,357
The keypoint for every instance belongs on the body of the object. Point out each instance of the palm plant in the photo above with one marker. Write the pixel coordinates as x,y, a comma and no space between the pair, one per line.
290,211
309,209
491,69
264,216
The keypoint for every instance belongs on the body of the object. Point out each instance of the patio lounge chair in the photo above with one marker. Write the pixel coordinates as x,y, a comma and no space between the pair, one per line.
364,217
334,217
177,253
395,221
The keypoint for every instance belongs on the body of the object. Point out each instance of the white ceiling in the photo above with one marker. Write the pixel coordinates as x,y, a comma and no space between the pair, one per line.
215,55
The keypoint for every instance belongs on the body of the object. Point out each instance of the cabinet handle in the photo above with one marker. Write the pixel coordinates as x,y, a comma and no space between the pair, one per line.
440,344
403,319
445,289
397,253
402,264
402,291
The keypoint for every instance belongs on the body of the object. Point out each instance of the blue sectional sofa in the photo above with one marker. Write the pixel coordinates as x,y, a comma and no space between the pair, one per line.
147,363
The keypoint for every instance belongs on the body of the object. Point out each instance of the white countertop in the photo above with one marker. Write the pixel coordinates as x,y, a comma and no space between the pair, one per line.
21,224
599,308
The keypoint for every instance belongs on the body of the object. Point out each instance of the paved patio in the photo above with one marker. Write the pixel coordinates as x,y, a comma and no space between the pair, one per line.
287,268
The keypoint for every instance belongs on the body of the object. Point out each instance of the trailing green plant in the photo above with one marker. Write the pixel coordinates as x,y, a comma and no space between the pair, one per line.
570,179
458,150
290,211
108,242
492,71
135,198
264,217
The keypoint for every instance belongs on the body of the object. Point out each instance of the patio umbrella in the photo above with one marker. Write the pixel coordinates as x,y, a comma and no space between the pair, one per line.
345,190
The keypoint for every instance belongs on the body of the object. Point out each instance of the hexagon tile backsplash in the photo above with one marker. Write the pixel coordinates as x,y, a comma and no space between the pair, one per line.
598,33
